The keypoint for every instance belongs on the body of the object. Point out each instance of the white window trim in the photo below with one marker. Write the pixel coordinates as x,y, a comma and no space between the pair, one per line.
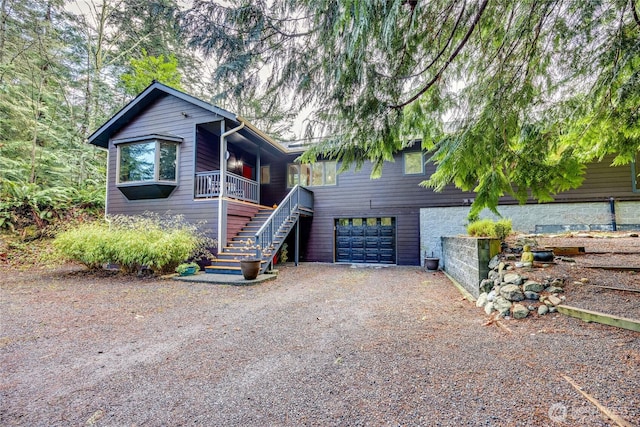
635,169
324,184
156,169
404,163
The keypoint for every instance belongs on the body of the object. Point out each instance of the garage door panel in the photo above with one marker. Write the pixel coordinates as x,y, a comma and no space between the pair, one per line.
357,242
357,255
366,240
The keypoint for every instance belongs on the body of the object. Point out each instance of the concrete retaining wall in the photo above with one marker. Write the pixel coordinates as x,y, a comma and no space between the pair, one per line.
540,218
466,259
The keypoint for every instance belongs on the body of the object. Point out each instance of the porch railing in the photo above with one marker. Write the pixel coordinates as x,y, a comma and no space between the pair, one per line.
271,235
207,184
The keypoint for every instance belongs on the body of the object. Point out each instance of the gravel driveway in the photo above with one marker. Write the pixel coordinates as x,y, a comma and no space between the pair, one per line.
322,345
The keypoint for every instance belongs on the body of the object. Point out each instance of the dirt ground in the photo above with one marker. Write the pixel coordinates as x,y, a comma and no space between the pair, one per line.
322,345
601,249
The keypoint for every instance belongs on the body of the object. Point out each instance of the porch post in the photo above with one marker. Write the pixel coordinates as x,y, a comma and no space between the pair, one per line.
222,202
222,206
297,252
258,172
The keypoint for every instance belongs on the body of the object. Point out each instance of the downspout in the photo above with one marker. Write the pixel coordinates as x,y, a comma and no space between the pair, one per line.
222,211
612,209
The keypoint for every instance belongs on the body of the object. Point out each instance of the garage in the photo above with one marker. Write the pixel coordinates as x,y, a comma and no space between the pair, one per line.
366,240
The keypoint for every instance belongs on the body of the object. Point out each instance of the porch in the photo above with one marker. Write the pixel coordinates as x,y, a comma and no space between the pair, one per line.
208,184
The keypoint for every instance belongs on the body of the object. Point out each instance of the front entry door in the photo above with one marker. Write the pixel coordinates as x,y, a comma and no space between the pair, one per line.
366,240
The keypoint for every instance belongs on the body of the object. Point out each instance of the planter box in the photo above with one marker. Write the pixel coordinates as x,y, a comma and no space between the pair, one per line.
466,259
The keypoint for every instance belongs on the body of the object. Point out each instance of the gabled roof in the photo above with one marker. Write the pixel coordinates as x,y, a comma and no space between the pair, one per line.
158,90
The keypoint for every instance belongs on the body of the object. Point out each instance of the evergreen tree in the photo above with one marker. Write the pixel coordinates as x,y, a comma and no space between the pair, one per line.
509,97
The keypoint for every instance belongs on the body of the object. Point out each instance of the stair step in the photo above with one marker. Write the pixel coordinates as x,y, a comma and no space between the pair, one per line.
235,263
223,270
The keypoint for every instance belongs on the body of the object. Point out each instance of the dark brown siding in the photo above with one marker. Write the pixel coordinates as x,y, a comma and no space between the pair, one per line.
602,181
165,116
208,158
277,189
357,195
400,196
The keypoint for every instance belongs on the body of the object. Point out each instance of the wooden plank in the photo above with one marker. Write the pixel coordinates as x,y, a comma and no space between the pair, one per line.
566,250
615,267
615,288
605,319
603,409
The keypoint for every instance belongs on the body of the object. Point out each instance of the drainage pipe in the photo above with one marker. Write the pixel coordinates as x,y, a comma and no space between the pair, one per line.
222,204
612,209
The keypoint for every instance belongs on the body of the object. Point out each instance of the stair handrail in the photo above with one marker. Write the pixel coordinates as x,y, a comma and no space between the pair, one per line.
289,206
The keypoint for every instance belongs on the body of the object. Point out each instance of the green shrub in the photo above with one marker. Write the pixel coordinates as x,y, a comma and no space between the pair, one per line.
503,228
488,228
151,241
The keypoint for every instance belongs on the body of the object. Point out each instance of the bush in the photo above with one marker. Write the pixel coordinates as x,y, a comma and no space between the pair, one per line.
488,228
150,241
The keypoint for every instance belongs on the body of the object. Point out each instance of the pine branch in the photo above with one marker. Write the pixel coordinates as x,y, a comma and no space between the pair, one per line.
634,11
453,55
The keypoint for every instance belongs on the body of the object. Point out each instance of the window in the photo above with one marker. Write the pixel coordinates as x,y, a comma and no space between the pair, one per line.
147,161
413,163
265,174
313,175
147,166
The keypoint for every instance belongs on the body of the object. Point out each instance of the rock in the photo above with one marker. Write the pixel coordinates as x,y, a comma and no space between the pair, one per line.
532,286
502,305
566,259
530,308
542,310
509,268
512,278
482,300
556,282
486,285
585,280
495,261
501,267
633,234
531,295
497,282
554,300
492,275
520,311
554,290
491,296
488,308
552,309
578,283
511,293
510,257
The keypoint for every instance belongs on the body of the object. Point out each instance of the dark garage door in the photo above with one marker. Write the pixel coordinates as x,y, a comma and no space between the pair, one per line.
366,240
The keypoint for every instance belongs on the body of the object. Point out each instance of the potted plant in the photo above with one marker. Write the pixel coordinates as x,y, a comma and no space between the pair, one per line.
187,269
250,263
432,262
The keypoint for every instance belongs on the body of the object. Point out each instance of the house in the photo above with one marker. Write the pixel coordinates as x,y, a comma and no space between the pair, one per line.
171,152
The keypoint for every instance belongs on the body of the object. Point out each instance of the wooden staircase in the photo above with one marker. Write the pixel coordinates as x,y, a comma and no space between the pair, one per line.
264,234
228,261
